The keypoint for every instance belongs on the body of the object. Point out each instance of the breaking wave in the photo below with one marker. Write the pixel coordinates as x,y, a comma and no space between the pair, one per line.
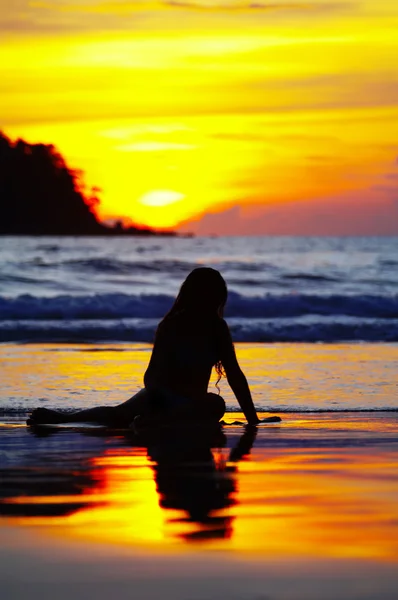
154,306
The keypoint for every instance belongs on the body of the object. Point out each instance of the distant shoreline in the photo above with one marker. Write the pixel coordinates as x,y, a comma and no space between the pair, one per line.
138,233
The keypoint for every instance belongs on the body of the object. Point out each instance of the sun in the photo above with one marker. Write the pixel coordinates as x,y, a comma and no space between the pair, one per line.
160,198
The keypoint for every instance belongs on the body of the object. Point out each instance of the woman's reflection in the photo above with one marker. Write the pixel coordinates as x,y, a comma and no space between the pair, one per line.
189,479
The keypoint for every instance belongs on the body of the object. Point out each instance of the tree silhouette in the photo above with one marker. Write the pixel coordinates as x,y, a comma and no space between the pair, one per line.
40,195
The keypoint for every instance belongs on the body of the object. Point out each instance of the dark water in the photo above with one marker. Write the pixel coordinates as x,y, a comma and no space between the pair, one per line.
281,288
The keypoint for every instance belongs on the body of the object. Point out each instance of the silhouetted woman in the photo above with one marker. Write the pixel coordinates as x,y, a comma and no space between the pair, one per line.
191,339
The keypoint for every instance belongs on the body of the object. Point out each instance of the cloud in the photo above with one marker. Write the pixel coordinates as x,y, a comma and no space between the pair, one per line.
154,147
45,16
242,5
203,5
371,211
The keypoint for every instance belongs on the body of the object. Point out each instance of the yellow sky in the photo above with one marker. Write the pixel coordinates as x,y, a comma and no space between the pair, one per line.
178,108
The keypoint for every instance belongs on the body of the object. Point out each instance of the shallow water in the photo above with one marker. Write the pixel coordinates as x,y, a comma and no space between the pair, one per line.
312,486
293,487
297,510
283,377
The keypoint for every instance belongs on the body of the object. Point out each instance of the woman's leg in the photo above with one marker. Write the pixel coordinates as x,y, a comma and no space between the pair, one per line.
206,411
99,414
210,408
122,414
139,404
214,407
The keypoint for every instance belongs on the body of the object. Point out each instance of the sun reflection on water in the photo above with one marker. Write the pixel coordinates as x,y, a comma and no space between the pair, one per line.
276,502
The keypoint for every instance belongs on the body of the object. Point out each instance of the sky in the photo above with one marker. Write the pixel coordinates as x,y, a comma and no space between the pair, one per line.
214,116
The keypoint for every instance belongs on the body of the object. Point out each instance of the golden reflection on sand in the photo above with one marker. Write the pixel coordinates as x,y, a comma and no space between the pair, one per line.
319,504
282,503
320,485
282,376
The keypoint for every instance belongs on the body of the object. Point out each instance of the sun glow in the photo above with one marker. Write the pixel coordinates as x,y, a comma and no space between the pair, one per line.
160,198
222,106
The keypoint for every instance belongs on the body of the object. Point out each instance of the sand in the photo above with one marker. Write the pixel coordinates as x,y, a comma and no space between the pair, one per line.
304,509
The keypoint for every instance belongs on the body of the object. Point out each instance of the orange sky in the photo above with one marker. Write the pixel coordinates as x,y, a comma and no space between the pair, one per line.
281,117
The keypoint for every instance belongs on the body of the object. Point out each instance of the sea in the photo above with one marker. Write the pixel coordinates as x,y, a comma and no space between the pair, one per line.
315,319
306,500
289,509
286,289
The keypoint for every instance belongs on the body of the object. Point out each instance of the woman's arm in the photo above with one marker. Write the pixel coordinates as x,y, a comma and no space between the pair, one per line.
236,377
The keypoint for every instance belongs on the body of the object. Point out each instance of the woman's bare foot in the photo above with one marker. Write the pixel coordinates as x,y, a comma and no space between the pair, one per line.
45,416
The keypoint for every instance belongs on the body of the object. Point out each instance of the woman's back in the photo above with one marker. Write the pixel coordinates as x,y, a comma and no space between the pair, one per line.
187,346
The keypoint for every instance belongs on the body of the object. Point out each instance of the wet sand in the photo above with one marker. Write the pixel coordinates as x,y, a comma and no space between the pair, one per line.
304,509
43,568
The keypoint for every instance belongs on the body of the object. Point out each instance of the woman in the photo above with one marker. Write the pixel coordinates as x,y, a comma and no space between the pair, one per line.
191,339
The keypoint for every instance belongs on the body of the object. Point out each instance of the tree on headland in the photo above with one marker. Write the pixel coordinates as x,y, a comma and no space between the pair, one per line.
41,195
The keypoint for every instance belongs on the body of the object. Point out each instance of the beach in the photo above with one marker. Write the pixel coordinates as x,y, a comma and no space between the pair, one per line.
298,510
182,181
305,508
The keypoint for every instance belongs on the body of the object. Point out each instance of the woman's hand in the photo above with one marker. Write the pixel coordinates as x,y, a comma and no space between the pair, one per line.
273,419
254,423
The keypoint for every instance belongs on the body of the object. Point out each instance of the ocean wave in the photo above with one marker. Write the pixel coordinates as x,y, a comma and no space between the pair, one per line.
310,277
87,307
386,262
154,306
114,266
243,330
7,278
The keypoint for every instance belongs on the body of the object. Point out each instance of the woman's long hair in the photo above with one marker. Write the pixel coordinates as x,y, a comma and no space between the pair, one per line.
203,294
